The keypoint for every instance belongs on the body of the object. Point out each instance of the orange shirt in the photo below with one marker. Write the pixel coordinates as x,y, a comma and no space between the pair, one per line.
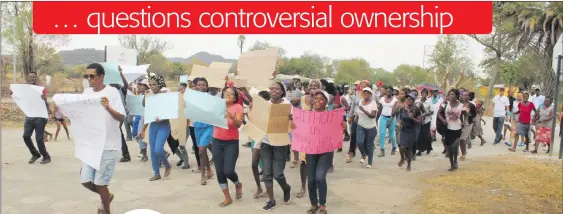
232,132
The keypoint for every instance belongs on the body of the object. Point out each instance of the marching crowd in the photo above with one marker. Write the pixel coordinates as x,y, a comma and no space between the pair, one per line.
402,119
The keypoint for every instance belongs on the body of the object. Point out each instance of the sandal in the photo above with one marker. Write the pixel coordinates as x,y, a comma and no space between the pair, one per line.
209,174
312,210
300,194
512,150
225,203
238,194
260,194
101,210
294,164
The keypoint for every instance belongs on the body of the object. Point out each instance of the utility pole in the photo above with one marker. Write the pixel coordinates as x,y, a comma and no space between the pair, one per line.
14,48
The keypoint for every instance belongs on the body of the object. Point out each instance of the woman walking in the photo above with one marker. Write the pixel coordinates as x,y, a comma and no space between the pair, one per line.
525,109
452,109
255,148
274,157
158,133
366,131
195,149
318,164
138,121
543,121
477,128
425,137
387,121
410,117
203,135
226,146
468,116
307,105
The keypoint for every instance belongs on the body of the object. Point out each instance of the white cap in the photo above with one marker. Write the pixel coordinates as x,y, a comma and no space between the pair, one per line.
368,89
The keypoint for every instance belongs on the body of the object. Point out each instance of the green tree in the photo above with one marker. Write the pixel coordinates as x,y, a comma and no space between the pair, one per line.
147,47
23,41
177,70
351,70
410,75
538,26
380,74
307,65
240,41
449,62
159,65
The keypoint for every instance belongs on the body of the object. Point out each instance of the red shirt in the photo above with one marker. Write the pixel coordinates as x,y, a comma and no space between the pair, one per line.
525,112
232,132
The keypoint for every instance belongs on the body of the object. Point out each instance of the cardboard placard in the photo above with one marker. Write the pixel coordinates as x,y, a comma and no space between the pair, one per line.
269,120
257,67
221,65
215,76
178,126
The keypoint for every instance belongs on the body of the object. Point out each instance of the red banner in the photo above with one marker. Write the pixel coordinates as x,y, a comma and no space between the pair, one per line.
262,17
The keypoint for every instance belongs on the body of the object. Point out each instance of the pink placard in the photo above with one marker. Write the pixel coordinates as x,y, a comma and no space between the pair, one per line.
317,132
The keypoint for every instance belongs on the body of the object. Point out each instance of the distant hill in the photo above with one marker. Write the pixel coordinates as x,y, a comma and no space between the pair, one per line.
88,55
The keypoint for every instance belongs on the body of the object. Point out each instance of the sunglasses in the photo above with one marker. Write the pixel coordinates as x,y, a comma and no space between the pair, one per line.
91,76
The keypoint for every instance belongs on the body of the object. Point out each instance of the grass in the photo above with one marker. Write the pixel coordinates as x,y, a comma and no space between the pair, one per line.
498,185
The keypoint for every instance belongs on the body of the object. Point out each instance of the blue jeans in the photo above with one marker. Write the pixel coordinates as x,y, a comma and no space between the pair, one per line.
158,133
365,139
139,124
317,168
498,124
382,124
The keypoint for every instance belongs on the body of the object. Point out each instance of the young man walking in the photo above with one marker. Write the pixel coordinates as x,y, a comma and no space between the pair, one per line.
94,180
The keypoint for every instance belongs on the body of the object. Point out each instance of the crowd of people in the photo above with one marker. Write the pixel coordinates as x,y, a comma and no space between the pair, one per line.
402,119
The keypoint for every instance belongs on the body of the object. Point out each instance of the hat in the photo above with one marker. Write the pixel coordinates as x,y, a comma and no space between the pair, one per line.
379,83
396,88
324,93
330,81
345,86
357,82
406,86
367,89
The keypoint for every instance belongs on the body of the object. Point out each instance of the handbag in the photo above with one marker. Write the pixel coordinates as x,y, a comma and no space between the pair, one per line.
440,126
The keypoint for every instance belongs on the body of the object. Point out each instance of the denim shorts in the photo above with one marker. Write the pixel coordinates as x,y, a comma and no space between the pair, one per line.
103,176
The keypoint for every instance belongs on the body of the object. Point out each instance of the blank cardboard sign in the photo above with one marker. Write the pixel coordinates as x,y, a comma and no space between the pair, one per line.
271,120
257,67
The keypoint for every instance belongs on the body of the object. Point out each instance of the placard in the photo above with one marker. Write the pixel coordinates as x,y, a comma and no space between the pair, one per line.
120,55
203,107
28,98
268,120
161,105
317,132
257,67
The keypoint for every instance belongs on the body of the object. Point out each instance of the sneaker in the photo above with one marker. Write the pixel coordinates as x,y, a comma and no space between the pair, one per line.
507,143
125,159
33,159
525,150
46,160
269,206
287,195
495,143
368,166
247,145
521,144
180,162
362,160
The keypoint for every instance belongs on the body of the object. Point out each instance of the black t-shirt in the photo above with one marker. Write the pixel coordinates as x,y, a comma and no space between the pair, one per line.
511,99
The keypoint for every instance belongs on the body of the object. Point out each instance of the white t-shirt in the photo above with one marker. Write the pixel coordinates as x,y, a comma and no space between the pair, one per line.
453,115
113,135
85,84
265,139
387,108
427,108
500,105
363,120
538,100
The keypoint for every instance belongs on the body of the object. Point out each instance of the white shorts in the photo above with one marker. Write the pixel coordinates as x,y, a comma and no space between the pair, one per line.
103,176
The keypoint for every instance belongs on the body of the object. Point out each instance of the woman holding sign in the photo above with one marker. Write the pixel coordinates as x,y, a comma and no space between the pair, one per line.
203,135
318,164
274,157
159,132
226,146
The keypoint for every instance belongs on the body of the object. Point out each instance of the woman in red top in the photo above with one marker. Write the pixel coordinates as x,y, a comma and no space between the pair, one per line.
525,109
225,146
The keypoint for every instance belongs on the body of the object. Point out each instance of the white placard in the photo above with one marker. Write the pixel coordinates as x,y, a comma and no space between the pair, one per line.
87,117
121,56
28,98
133,72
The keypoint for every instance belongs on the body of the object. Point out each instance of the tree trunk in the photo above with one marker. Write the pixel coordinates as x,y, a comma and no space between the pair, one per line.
490,88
